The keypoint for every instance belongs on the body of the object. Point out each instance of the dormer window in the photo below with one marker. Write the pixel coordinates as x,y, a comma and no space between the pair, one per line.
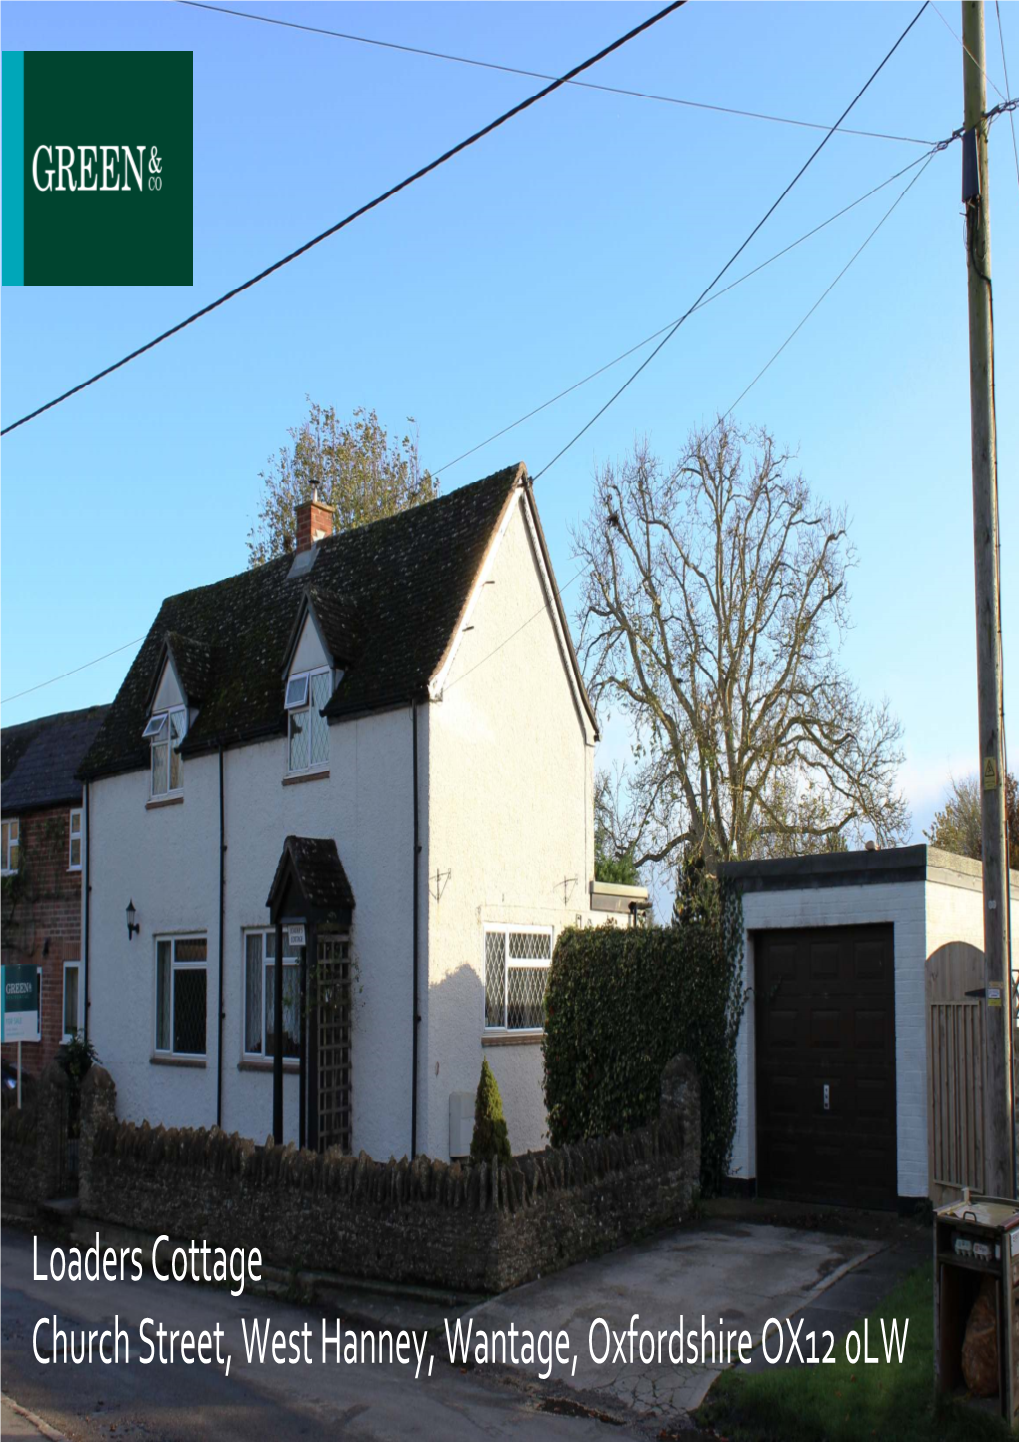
165,732
307,730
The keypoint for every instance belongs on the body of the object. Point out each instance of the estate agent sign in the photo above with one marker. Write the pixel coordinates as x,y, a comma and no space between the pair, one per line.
19,1020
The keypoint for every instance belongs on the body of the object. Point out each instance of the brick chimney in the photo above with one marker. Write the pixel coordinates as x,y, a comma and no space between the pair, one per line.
314,522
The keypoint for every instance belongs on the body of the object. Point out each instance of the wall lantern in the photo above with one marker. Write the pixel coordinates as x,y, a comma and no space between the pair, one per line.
132,924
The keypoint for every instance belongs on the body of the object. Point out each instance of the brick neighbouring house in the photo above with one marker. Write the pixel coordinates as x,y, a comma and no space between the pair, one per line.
42,852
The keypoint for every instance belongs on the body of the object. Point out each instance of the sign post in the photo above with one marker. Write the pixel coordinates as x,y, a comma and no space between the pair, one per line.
19,1016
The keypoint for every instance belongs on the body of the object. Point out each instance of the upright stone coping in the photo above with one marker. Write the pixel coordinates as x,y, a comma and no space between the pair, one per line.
475,1228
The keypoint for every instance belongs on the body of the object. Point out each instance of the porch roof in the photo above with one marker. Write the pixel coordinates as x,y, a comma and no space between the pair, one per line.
310,881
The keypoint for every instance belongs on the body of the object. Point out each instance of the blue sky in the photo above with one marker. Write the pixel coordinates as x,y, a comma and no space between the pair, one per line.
517,269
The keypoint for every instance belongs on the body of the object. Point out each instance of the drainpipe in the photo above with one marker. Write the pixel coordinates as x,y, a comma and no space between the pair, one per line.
87,884
219,983
415,1018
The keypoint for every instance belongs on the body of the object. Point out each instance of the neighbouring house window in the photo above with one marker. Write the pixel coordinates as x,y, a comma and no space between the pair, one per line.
74,844
165,732
10,846
181,995
72,999
260,996
517,960
307,730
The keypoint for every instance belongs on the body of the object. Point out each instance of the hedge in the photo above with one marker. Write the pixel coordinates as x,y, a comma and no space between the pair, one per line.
620,1003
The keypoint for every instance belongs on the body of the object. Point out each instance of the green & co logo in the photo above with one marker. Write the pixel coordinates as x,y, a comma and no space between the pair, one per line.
97,167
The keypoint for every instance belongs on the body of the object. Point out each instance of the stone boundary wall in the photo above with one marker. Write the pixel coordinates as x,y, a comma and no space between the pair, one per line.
465,1228
32,1141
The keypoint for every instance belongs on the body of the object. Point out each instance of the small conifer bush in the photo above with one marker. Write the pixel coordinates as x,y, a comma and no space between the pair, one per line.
489,1138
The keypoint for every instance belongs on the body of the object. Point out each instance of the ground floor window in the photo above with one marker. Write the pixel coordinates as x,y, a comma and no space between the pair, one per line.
181,995
517,960
72,999
260,995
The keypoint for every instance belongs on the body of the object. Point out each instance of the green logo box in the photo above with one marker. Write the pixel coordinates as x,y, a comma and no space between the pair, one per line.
98,167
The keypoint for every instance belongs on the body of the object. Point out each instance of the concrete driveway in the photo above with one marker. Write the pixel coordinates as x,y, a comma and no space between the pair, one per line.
732,1275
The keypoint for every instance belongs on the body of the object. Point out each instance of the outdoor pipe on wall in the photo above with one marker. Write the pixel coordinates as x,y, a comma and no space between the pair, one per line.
219,982
415,1018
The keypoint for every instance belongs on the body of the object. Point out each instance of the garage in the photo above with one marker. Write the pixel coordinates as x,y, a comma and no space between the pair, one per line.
837,1090
826,1065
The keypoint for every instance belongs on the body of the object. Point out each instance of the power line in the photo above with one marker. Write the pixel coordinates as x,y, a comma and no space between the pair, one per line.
1005,76
740,249
540,75
961,42
64,674
639,345
922,160
355,214
566,586
830,287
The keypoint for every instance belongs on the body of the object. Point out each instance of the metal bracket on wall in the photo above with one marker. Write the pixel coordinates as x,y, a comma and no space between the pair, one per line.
438,884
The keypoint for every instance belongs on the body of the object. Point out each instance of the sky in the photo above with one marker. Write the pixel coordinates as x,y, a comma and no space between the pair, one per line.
514,271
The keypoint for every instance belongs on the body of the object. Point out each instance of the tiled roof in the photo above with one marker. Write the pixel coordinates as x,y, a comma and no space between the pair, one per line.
40,759
398,585
316,867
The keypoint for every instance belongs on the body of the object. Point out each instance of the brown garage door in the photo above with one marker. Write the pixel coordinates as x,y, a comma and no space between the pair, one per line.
825,1043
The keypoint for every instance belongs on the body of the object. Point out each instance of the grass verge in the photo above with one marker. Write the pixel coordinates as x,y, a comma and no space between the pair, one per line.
841,1403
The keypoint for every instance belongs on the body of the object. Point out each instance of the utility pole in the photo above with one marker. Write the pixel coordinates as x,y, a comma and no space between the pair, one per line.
1000,1176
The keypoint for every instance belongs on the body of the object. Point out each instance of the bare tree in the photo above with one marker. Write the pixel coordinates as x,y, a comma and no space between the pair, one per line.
713,614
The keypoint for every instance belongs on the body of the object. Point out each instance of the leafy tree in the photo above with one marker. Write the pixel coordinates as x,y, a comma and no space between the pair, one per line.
489,1138
616,868
957,827
355,468
713,613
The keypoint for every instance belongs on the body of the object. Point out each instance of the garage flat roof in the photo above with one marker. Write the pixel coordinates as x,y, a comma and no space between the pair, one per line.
860,868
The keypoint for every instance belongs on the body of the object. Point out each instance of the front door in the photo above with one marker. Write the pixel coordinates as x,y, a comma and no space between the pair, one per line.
332,1019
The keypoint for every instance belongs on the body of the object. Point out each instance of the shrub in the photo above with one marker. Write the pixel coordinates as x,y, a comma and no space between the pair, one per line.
620,1003
489,1138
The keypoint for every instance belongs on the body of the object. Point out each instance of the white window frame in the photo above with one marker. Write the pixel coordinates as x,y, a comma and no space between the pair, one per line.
10,824
163,736
305,710
66,1035
505,929
73,835
289,960
176,966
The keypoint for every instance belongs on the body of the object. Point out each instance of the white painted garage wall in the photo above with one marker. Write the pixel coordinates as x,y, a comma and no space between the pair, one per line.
903,905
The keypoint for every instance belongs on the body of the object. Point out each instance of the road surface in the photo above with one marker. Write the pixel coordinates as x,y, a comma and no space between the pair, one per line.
258,1401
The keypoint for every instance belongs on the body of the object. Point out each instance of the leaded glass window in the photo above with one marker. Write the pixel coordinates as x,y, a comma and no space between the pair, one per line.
307,729
517,961
181,995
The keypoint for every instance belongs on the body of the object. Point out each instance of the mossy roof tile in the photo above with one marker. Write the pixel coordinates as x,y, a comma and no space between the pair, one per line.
405,579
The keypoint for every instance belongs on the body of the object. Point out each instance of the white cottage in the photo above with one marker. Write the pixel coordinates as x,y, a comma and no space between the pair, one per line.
374,757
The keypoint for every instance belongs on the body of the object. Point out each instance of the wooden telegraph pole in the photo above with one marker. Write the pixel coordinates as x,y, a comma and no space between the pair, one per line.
1000,1176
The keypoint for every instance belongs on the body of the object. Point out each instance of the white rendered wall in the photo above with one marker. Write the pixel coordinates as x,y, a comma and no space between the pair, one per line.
168,693
510,816
903,905
308,654
166,860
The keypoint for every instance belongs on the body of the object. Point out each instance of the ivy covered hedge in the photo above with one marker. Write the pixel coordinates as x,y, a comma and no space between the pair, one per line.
620,1003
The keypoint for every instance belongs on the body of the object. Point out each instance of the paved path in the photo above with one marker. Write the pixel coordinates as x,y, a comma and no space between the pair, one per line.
740,1273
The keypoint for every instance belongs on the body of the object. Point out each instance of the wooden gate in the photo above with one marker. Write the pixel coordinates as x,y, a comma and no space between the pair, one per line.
956,1039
